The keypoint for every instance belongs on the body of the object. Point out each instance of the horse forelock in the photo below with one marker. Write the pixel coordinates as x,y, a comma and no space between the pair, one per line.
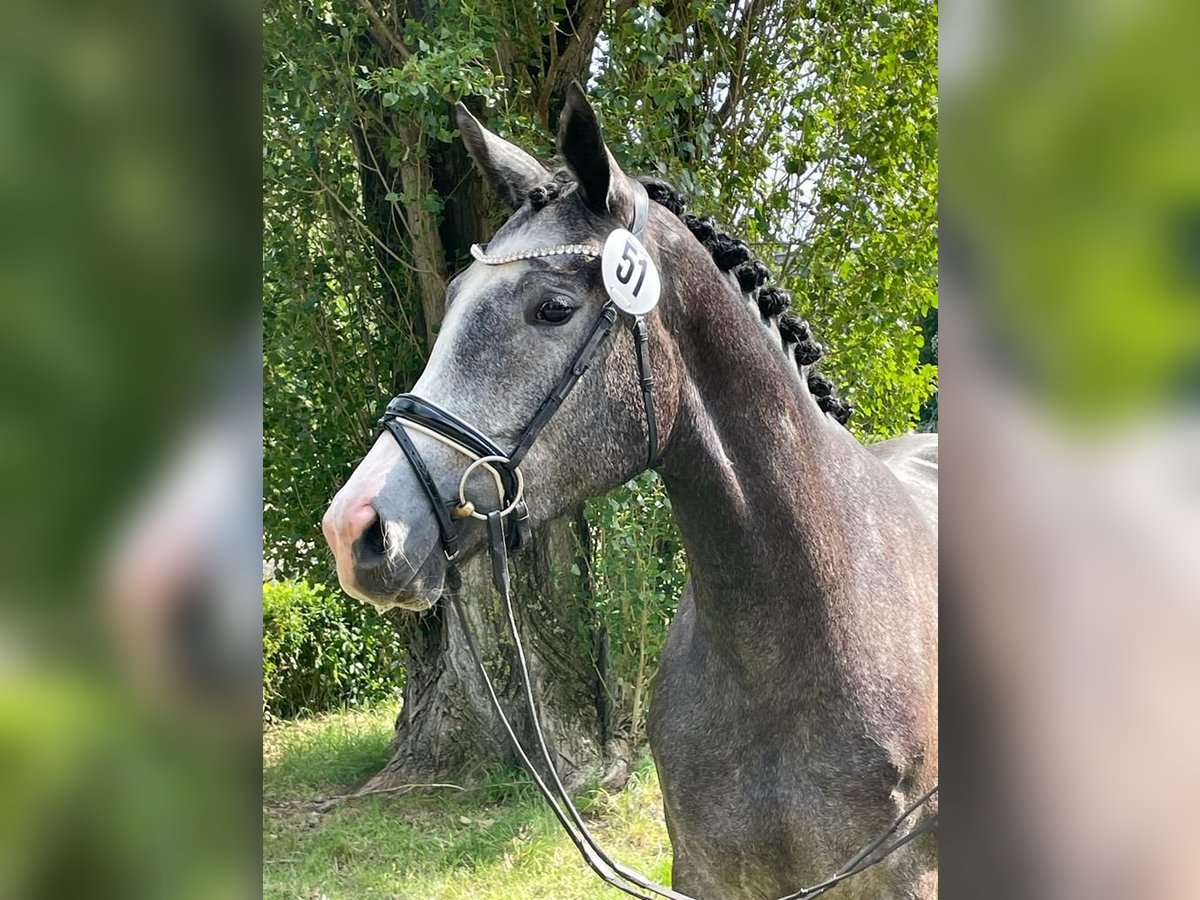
569,220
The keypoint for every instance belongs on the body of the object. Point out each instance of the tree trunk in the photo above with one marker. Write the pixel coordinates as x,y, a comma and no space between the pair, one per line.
447,729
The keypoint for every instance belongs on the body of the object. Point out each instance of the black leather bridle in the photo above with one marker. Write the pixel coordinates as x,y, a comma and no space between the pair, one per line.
428,417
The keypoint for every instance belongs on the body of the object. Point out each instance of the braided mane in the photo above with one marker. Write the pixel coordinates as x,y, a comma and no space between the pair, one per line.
733,256
774,304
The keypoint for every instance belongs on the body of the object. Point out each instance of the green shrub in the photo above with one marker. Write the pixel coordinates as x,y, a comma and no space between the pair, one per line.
322,651
639,570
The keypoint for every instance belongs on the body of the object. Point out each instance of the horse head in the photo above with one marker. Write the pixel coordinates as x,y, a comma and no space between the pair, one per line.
514,326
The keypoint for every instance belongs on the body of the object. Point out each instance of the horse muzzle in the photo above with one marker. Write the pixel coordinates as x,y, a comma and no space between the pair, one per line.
383,559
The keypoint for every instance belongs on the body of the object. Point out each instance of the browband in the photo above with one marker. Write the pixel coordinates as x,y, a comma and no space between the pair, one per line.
479,251
637,225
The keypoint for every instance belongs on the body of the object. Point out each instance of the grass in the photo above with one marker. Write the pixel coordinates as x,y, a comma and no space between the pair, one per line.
495,841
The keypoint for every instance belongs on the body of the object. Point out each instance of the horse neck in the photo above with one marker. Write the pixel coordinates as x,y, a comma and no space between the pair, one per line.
756,474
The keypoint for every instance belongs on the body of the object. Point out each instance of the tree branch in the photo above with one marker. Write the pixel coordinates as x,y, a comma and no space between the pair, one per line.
738,74
383,34
582,24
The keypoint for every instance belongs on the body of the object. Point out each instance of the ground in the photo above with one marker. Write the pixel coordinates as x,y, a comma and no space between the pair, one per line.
493,841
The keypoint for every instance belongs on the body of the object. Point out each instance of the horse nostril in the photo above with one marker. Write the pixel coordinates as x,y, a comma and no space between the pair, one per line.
371,544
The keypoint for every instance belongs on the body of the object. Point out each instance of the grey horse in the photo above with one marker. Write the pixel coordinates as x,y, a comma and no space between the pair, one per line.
795,711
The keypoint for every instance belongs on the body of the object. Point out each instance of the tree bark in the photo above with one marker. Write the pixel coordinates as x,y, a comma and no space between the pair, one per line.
428,256
447,729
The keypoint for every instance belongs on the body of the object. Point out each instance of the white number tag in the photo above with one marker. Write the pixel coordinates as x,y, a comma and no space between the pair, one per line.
629,274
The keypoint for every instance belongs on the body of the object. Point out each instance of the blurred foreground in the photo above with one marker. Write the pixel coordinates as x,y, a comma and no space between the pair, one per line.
1070,413
129,369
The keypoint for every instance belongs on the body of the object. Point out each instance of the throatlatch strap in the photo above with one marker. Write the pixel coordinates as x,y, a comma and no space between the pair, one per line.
440,511
641,340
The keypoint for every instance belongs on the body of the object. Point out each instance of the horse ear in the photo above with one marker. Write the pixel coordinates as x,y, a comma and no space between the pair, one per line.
602,183
510,171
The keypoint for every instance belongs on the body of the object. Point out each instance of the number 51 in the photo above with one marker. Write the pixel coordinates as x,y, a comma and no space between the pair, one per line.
629,260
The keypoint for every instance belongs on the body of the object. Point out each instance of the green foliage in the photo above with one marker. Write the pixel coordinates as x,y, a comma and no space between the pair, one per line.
323,651
638,571
328,307
811,130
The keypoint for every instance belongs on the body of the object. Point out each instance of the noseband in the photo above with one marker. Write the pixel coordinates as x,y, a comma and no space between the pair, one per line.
408,411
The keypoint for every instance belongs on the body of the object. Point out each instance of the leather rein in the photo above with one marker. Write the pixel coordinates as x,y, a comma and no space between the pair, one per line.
408,411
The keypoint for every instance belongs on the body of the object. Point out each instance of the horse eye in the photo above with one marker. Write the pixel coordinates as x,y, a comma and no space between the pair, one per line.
555,311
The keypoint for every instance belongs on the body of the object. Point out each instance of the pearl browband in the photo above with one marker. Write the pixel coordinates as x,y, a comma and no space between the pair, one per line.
479,251
641,215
